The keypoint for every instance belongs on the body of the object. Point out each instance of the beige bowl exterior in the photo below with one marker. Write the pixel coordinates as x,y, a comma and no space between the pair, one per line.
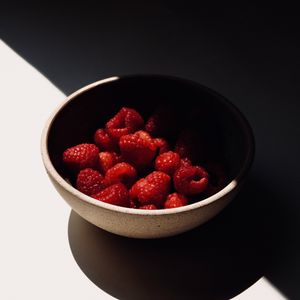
136,223
142,224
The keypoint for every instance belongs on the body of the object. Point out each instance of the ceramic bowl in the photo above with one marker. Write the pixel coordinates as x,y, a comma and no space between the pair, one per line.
209,113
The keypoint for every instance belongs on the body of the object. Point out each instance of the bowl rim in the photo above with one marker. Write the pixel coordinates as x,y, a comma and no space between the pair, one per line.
226,190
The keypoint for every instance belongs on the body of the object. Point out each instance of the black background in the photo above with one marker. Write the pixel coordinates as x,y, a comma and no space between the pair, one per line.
250,54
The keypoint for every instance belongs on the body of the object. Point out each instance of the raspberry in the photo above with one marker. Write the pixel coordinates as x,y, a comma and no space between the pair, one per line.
138,148
162,145
190,180
126,121
104,141
133,204
160,123
167,162
135,189
185,162
116,194
107,160
151,190
148,206
128,150
81,156
185,145
218,178
153,125
121,172
89,181
175,200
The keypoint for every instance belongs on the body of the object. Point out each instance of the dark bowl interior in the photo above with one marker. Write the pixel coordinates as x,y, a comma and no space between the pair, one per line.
223,134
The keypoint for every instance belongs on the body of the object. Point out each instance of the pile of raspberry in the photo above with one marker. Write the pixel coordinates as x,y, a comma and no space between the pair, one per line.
130,165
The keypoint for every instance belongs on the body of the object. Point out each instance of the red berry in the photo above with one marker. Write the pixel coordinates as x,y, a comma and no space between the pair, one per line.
167,162
81,156
153,124
175,200
89,181
218,178
138,148
162,145
104,141
121,172
190,180
148,206
133,204
107,160
185,145
133,193
135,189
116,194
151,190
185,162
126,121
160,123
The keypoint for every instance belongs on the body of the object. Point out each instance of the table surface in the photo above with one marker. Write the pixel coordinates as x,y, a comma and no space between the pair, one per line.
250,251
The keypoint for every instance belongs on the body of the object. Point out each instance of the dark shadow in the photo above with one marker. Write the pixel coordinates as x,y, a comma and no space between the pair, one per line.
217,45
215,261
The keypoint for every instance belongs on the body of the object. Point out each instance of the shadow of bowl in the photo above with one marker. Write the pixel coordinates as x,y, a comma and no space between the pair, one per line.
215,261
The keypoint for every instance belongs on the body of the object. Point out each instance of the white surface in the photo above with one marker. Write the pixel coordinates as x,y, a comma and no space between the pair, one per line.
36,261
261,290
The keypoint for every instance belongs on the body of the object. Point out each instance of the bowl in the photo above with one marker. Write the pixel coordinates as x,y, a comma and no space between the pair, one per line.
226,130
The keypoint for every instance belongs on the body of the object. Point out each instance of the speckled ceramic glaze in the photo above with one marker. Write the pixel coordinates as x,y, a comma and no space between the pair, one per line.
90,107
